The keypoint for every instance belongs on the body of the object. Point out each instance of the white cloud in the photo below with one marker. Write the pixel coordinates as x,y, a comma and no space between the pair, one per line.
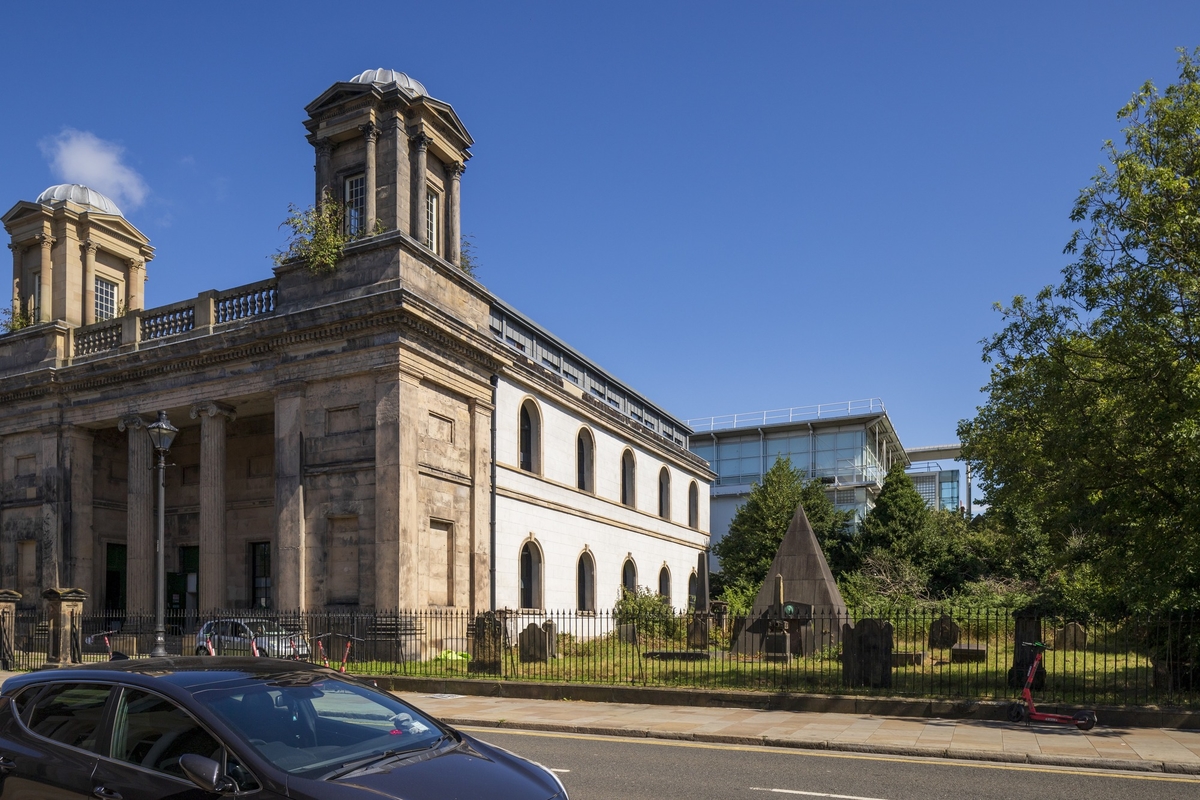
82,157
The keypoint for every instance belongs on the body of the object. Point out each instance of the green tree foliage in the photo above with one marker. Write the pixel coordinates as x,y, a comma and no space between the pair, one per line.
14,319
468,259
758,527
1091,425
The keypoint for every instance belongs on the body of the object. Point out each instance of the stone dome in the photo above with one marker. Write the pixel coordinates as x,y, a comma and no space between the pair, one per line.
81,195
387,77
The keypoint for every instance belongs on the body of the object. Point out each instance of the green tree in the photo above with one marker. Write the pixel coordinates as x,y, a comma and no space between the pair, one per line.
760,523
1091,425
899,518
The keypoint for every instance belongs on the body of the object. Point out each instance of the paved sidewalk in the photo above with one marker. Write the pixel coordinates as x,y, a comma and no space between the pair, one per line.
1141,749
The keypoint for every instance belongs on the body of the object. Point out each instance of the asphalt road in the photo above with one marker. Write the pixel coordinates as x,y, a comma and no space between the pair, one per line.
608,768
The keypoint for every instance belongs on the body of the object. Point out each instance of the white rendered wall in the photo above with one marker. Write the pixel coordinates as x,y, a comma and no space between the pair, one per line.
563,520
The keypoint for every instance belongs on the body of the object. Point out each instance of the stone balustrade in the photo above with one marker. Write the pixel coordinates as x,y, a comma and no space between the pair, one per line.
200,314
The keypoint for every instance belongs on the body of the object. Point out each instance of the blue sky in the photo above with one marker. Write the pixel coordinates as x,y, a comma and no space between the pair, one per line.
731,207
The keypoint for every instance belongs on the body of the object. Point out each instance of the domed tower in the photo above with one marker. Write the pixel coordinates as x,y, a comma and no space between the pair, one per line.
75,257
393,155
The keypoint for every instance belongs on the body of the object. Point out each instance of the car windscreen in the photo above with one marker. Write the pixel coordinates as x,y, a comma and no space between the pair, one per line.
313,727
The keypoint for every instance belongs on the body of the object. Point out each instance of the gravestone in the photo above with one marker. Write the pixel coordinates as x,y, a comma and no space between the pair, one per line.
487,645
944,632
1027,628
908,658
807,580
968,653
551,631
532,644
867,654
1071,636
627,633
8,627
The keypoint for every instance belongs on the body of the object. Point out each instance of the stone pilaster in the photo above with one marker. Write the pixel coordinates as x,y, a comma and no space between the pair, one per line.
289,573
89,282
139,517
420,146
370,133
481,506
454,236
64,612
45,278
77,513
213,566
397,511
402,196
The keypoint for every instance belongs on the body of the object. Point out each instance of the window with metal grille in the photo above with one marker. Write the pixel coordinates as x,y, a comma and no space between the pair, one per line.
106,299
355,199
260,574
431,219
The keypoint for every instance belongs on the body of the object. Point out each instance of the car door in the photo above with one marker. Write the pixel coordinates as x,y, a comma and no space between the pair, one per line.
49,741
149,735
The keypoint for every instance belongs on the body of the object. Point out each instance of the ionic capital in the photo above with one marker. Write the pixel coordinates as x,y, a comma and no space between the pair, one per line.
131,422
212,408
370,131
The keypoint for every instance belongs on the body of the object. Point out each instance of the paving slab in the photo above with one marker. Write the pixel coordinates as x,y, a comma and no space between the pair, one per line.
1143,749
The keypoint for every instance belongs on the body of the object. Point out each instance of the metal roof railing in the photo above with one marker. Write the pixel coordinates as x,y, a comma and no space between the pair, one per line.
849,408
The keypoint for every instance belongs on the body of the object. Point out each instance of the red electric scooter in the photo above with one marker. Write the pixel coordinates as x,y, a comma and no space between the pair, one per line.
1025,711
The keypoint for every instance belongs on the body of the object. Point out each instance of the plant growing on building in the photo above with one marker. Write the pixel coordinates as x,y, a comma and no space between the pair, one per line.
468,260
15,319
318,235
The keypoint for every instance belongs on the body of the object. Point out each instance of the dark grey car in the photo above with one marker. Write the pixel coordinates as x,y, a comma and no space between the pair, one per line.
189,728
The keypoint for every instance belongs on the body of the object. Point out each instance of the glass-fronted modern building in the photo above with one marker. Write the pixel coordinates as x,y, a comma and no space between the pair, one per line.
848,446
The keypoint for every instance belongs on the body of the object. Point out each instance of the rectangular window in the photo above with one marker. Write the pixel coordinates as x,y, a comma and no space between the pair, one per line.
431,219
260,574
441,563
355,199
37,296
106,299
344,578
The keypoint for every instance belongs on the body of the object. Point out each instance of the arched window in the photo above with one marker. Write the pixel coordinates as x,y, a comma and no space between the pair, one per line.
585,461
585,586
664,493
664,582
627,477
531,576
694,506
529,441
693,589
629,575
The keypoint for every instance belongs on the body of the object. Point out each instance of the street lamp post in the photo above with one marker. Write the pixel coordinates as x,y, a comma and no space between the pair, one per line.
162,433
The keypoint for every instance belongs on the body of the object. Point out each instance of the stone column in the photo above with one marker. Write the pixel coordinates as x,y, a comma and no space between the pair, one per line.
402,195
420,145
481,506
77,513
370,133
65,614
135,285
289,574
213,591
454,237
45,278
324,149
397,511
50,536
139,518
17,253
8,627
89,282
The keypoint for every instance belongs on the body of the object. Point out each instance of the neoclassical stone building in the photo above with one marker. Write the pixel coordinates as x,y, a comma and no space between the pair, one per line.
388,436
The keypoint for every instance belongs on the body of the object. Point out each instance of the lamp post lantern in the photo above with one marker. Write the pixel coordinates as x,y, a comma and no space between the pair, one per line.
162,433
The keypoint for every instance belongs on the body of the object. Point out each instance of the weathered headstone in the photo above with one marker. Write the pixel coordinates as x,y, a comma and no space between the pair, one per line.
968,653
627,633
532,645
64,609
487,644
944,632
1027,628
697,631
8,627
1071,636
551,631
867,654
908,658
